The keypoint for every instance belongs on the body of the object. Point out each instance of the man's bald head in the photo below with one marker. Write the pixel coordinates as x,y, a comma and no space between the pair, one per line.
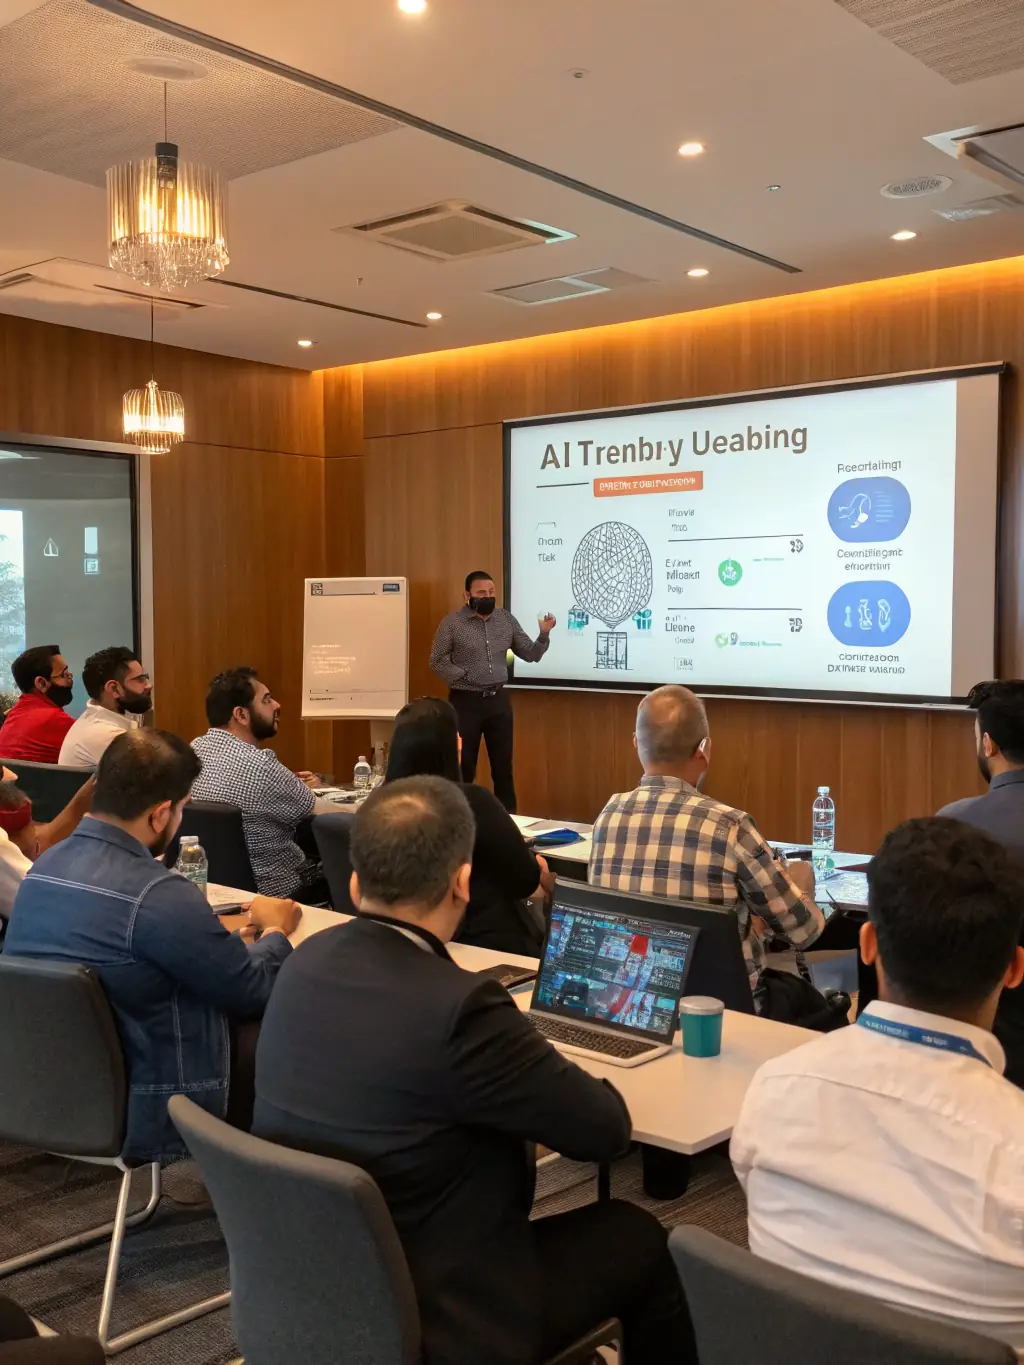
671,723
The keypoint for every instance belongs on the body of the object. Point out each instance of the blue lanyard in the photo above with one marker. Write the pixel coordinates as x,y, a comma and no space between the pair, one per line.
910,1033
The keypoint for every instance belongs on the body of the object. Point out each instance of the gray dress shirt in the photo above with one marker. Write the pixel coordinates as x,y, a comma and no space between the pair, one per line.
1000,812
471,654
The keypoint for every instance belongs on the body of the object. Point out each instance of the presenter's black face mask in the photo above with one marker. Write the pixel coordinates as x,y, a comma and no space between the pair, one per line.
483,606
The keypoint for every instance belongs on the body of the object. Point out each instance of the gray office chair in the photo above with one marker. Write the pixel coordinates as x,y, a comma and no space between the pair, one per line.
47,785
318,1230
744,1309
63,1089
331,833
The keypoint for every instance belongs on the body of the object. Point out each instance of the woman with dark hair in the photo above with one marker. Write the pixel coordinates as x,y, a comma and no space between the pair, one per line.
506,873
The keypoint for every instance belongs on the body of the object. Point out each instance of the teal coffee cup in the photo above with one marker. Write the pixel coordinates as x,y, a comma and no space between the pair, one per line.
700,1018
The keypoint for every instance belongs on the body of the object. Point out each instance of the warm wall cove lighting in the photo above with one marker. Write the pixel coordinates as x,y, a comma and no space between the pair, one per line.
434,317
412,6
305,343
697,273
904,236
691,149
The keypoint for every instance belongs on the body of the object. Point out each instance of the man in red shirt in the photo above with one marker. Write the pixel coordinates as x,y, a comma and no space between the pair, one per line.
37,723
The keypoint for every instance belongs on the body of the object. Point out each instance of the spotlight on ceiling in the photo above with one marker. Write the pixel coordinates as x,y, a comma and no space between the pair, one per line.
691,149
903,236
434,317
697,273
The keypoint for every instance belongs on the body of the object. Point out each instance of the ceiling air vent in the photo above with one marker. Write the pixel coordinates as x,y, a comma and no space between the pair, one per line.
569,286
62,281
981,208
456,231
917,188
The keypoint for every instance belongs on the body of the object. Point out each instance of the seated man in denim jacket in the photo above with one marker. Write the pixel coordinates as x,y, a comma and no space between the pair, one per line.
176,979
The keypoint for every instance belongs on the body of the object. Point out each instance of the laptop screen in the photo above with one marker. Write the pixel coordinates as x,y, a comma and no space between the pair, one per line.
621,971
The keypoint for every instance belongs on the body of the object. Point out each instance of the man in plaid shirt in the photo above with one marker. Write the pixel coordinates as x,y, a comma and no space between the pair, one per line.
665,838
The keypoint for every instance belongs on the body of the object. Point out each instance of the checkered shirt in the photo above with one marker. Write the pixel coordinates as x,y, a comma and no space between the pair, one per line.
272,801
665,839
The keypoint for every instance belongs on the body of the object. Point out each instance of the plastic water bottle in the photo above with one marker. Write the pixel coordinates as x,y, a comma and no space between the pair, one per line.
192,863
823,831
362,775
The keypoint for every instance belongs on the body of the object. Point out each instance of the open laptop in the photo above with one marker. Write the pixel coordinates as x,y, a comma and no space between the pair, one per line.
609,982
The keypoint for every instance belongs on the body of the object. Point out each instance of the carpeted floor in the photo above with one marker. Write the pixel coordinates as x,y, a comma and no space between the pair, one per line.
179,1257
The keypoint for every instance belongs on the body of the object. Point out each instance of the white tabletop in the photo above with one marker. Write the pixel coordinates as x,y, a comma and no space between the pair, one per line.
685,1104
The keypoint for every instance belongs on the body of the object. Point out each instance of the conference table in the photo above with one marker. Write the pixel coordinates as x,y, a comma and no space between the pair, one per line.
679,1103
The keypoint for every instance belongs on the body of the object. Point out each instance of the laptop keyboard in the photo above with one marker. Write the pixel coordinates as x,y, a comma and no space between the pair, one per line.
611,1044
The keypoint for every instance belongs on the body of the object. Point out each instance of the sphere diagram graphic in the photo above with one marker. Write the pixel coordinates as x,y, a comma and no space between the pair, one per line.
612,573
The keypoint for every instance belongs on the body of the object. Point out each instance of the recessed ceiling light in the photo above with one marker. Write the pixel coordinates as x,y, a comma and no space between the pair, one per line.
772,188
691,149
412,6
434,317
697,273
904,236
305,342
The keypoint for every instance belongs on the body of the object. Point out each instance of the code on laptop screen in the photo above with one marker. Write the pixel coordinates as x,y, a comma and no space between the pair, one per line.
614,970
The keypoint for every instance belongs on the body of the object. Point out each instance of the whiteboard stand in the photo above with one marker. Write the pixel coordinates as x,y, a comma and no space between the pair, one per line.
355,648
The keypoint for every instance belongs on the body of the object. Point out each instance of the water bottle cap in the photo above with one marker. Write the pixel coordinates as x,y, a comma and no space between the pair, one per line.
362,757
823,791
189,839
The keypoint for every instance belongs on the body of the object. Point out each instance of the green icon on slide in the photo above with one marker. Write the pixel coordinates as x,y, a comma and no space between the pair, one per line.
730,572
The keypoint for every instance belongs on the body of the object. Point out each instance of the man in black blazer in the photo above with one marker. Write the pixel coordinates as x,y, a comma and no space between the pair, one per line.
378,1049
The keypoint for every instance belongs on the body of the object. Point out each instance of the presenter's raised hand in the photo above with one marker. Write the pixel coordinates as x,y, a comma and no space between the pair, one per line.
547,624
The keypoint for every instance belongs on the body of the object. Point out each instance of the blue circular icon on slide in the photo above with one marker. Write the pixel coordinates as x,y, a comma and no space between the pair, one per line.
871,613
869,509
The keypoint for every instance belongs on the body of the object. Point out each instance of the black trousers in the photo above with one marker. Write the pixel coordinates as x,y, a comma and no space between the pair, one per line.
611,1260
21,1345
490,719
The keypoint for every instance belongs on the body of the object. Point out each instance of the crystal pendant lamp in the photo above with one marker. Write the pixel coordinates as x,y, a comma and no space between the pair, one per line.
166,218
154,418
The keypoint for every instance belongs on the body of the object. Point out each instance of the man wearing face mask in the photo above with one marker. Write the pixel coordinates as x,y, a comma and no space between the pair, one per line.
179,984
120,694
37,723
665,838
470,653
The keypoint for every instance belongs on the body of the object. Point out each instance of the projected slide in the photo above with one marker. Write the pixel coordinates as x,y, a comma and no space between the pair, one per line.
825,542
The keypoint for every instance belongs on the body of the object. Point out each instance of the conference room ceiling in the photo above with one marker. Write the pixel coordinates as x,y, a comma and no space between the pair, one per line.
562,113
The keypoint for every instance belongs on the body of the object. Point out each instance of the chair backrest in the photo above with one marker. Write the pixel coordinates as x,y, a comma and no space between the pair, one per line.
62,1074
218,827
317,1270
48,786
331,833
744,1308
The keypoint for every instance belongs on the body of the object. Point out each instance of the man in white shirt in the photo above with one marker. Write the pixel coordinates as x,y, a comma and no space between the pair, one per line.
889,1158
120,694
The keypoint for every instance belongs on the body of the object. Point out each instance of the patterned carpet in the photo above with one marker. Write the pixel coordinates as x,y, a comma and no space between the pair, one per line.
179,1257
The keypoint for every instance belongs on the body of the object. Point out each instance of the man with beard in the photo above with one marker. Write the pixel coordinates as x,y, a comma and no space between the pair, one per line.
273,800
37,723
176,980
120,694
999,743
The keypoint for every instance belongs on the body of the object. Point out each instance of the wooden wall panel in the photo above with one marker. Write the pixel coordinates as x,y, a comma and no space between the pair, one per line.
431,443
237,511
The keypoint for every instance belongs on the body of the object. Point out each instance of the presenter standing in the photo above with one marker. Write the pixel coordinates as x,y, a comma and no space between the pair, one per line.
470,654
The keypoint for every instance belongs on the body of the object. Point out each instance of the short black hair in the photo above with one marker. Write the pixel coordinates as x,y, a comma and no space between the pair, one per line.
106,665
142,768
1000,708
425,742
947,903
12,797
234,687
34,663
408,838
471,578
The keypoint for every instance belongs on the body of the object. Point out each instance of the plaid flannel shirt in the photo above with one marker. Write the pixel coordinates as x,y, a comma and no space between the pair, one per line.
666,839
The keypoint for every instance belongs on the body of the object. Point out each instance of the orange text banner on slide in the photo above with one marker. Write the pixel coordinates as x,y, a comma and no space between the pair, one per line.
649,483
